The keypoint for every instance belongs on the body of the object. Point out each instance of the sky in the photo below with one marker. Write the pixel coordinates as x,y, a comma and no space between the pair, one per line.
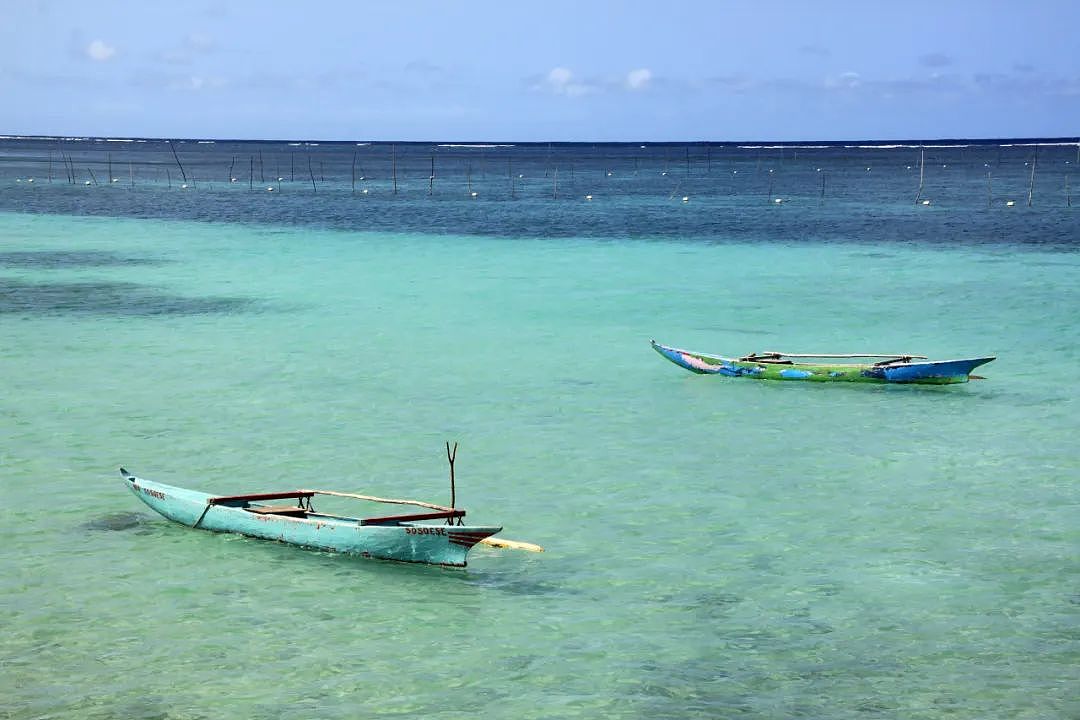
515,70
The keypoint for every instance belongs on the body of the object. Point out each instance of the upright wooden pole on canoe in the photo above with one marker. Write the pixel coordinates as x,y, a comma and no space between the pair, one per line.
450,457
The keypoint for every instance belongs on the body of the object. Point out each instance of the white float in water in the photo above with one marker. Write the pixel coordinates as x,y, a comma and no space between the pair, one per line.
588,197
232,179
474,193
270,188
280,179
364,191
778,200
686,198
182,187
88,182
1010,203
925,202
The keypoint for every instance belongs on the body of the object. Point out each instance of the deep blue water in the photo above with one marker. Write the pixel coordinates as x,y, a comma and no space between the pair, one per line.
828,192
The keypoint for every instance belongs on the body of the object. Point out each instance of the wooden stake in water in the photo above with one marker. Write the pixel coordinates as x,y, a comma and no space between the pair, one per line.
555,185
311,174
131,173
1068,193
989,191
822,201
50,166
510,172
251,172
231,166
1031,184
922,162
431,176
468,177
354,172
393,160
108,163
177,157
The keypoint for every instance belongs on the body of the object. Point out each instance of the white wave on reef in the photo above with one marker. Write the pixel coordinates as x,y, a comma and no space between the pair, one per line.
473,145
781,147
1043,144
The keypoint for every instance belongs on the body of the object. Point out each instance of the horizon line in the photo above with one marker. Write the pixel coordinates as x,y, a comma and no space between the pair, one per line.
915,142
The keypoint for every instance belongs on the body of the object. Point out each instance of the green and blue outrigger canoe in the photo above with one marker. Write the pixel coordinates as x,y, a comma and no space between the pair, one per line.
406,538
774,365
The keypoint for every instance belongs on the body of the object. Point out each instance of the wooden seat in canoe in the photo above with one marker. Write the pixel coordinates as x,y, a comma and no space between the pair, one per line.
288,510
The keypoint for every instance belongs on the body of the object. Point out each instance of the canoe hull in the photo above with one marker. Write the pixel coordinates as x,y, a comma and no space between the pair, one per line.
931,372
405,542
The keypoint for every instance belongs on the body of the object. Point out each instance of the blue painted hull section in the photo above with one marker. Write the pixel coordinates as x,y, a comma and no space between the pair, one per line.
405,542
952,369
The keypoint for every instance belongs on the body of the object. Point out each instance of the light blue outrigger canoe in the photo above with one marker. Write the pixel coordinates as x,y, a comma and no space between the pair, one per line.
405,538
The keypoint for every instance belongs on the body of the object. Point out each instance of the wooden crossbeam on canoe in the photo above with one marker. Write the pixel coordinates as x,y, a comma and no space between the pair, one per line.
282,495
777,353
397,519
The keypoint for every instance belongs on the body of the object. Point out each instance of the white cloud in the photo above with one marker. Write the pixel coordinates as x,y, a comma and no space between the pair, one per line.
638,79
198,82
99,51
845,81
562,82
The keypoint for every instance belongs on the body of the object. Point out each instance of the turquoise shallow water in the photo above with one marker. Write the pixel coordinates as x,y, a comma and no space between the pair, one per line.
715,547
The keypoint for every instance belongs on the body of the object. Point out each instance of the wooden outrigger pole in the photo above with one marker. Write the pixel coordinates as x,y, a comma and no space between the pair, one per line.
777,353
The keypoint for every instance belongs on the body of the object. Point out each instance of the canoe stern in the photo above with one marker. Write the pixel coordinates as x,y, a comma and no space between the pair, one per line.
942,372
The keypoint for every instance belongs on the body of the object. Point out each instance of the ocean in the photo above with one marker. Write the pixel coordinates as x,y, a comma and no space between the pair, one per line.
715,547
